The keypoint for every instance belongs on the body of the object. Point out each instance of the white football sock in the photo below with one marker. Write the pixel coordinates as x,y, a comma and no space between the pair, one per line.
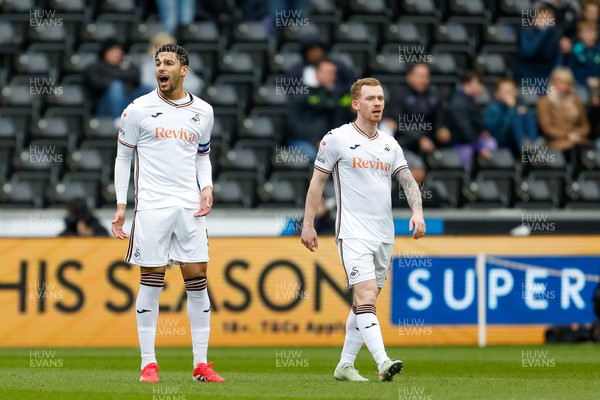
146,306
369,327
353,341
198,310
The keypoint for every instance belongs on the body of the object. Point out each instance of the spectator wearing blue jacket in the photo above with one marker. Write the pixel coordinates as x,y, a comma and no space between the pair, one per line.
539,49
509,122
584,60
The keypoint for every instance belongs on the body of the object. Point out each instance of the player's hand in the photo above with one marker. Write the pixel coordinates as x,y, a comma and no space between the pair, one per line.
309,238
418,224
206,202
118,221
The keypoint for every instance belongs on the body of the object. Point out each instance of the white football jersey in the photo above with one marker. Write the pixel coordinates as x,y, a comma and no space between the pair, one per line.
166,136
362,169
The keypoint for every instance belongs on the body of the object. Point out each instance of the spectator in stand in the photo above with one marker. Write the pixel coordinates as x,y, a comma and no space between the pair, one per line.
590,11
464,120
81,222
539,50
314,49
175,13
510,123
324,107
566,14
192,84
561,114
584,60
114,82
417,114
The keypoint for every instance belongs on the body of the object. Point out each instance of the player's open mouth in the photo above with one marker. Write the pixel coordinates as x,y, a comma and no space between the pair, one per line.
163,79
376,112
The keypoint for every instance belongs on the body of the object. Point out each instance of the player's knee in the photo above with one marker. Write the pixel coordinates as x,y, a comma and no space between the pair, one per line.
365,295
195,284
155,279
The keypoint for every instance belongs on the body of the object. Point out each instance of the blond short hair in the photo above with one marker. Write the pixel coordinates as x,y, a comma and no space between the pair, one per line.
357,86
563,73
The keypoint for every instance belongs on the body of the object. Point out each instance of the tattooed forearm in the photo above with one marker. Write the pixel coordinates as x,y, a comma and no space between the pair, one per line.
411,190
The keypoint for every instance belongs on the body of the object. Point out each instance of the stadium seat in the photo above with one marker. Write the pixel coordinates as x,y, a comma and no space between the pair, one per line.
232,193
78,62
49,35
70,189
427,11
22,194
243,162
282,62
406,31
353,32
590,159
240,67
86,160
99,31
483,193
270,95
534,193
257,127
18,6
453,37
11,134
492,64
445,69
322,7
367,7
35,63
69,6
11,36
584,193
118,6
388,62
445,165
101,128
295,35
473,10
143,33
250,31
201,32
514,7
279,193
224,98
223,130
72,96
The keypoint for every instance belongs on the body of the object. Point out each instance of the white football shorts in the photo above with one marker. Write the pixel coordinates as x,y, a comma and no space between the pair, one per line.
167,235
364,260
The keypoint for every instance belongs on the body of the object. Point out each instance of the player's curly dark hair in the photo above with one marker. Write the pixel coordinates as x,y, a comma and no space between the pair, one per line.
182,54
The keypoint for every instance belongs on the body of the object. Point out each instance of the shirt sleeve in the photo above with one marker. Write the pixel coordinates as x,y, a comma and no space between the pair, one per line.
129,128
328,154
122,172
399,161
204,145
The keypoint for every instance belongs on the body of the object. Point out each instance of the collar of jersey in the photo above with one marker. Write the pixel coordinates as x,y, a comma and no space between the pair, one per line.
364,134
169,102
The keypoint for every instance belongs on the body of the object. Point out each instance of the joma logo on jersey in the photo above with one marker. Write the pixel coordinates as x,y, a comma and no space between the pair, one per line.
162,133
358,162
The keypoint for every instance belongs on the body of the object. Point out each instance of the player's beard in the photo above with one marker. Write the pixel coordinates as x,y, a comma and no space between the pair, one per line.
173,84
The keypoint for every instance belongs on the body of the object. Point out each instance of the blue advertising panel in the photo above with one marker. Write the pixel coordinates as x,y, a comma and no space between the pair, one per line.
443,290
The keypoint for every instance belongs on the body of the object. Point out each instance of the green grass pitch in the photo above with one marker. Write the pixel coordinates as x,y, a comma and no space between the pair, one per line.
430,373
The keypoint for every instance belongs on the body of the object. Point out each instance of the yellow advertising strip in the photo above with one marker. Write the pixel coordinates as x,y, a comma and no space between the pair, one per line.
69,292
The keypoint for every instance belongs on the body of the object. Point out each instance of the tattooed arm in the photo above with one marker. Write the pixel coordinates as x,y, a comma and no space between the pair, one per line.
413,196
